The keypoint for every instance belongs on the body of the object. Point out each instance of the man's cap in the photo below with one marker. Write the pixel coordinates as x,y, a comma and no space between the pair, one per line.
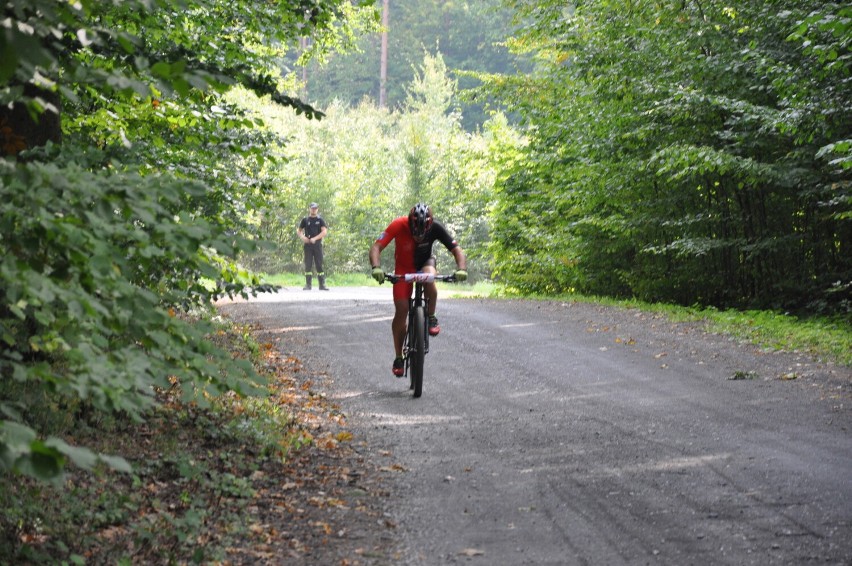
314,205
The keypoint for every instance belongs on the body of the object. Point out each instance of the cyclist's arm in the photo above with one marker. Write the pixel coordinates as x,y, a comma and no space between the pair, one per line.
376,255
385,238
442,235
461,259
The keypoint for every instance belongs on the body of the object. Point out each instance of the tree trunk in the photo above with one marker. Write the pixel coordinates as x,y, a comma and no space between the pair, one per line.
303,46
383,71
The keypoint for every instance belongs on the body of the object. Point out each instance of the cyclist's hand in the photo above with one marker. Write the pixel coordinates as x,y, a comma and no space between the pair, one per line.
378,274
460,275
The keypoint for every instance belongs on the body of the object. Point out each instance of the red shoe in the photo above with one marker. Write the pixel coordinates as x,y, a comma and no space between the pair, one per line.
399,367
434,328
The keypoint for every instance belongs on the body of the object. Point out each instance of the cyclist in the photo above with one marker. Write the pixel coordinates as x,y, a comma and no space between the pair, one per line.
414,235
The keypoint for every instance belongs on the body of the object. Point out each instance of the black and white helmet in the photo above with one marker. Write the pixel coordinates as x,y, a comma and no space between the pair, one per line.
420,220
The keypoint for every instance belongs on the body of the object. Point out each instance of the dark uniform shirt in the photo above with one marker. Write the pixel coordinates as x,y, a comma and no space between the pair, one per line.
312,225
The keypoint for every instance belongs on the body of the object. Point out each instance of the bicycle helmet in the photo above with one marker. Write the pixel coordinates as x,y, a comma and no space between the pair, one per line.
420,220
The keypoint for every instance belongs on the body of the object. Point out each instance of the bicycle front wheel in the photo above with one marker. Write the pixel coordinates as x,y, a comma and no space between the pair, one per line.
417,350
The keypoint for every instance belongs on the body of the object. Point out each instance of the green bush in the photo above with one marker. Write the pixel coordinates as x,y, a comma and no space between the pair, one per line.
96,268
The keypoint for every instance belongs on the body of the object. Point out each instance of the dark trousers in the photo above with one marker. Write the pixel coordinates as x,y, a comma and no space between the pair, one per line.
313,255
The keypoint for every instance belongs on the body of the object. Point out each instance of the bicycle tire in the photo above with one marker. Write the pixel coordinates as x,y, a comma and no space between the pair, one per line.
417,349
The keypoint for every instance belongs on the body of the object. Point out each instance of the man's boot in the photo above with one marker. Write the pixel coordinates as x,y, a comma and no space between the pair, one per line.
307,286
322,283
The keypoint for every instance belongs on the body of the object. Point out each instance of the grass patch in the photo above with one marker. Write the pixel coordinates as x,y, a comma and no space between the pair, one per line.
336,280
827,338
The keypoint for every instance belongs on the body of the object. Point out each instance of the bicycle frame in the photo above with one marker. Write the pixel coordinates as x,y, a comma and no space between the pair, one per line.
417,333
418,301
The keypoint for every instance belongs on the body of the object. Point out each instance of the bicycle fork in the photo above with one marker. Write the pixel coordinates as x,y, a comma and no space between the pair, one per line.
407,348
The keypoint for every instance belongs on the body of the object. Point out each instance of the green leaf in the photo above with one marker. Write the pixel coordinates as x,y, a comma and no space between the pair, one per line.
16,437
41,463
82,457
162,69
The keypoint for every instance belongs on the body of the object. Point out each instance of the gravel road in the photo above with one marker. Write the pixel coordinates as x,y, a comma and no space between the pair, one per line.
569,433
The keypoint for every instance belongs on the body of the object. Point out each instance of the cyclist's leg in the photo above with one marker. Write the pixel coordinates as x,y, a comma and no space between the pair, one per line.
399,325
398,329
401,296
430,288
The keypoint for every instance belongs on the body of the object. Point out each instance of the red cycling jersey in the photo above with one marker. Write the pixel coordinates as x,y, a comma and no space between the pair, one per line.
410,256
405,245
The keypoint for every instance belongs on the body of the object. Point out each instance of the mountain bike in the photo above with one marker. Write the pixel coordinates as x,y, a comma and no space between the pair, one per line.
416,344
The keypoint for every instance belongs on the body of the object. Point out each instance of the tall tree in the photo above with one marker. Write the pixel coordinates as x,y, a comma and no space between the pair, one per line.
383,59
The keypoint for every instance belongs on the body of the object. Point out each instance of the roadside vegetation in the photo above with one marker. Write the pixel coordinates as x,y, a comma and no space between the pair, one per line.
826,338
184,498
204,476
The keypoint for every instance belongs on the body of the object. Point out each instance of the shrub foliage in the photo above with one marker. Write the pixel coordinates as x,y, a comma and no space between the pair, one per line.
125,186
693,152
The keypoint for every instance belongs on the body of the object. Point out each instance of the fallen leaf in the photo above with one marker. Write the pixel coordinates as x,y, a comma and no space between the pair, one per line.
323,526
471,552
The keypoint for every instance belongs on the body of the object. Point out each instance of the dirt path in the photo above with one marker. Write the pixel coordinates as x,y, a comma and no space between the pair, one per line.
563,433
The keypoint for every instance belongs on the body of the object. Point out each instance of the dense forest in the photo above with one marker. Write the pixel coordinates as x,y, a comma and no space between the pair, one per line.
128,185
158,154
692,152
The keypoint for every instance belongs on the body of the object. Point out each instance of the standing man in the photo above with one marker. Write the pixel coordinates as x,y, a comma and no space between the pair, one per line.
312,229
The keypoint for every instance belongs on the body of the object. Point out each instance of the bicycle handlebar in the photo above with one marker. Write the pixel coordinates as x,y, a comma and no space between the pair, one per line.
419,277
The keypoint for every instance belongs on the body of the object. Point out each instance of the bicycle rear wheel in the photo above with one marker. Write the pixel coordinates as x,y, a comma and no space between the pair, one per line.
417,349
